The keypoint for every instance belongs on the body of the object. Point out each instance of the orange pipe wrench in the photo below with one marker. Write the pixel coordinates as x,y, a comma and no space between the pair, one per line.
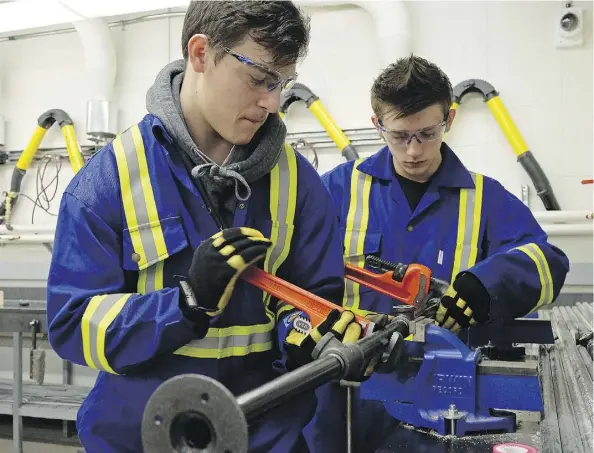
411,284
316,307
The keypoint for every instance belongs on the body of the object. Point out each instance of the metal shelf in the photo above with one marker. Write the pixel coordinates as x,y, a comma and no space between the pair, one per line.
51,401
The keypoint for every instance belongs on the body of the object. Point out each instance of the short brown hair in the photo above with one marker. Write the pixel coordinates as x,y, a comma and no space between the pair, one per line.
410,85
278,26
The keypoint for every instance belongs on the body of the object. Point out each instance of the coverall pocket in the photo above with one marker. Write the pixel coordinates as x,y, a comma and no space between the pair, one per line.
151,243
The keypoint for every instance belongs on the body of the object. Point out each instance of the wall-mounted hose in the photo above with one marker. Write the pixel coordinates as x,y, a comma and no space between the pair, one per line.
300,92
525,156
44,122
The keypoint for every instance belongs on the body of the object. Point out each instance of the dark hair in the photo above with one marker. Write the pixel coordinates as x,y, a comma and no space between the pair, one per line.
278,26
410,85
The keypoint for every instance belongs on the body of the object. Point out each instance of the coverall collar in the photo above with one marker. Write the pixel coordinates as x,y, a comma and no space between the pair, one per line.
160,132
451,173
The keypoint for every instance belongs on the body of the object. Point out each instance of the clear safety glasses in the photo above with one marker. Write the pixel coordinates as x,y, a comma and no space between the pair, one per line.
401,139
266,79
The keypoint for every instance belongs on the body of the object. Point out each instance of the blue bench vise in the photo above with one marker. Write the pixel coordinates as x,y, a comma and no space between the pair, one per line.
444,384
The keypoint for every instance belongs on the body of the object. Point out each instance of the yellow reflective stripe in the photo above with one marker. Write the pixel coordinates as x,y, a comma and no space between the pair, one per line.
544,273
86,329
356,229
147,191
140,209
231,341
283,204
461,232
216,352
138,198
469,226
126,189
151,278
99,315
476,219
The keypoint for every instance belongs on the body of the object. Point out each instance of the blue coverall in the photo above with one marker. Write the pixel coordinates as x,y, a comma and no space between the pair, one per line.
142,339
494,236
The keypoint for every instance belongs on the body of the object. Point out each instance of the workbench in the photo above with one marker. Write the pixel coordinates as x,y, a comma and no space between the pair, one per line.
565,373
28,399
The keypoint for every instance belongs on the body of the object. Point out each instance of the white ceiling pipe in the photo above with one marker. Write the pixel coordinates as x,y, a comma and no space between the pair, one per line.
100,57
563,216
391,20
26,239
27,229
392,24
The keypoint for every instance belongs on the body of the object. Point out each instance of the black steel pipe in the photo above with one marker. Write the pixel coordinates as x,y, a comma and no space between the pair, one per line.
195,413
257,402
337,361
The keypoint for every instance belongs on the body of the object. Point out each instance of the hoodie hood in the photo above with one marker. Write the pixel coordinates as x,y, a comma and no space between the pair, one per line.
245,163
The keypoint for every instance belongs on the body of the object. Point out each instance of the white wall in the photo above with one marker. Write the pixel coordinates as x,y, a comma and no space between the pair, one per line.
547,91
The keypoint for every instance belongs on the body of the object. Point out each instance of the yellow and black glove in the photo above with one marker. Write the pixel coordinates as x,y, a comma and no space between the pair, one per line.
299,344
216,266
466,302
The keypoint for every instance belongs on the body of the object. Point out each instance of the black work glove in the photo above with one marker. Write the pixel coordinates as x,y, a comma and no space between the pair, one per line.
216,266
466,302
301,341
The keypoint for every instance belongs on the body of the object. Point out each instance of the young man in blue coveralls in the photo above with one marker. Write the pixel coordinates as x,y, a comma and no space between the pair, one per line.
155,230
415,202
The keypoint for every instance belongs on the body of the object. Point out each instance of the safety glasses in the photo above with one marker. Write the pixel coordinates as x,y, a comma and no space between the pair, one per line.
267,79
401,139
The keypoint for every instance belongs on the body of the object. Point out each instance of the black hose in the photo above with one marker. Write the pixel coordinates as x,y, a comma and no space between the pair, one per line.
526,159
540,181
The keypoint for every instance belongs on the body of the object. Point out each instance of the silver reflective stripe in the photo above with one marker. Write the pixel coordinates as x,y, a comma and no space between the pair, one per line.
468,225
283,208
142,217
231,341
106,304
151,277
544,273
356,231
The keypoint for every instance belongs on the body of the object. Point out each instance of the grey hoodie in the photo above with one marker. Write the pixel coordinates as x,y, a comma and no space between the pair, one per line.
244,165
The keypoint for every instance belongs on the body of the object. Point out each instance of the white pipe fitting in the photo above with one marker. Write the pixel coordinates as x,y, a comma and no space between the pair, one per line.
545,217
26,239
569,230
100,57
27,229
392,24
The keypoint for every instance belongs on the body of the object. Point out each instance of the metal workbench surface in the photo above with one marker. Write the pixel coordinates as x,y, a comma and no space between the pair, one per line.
565,371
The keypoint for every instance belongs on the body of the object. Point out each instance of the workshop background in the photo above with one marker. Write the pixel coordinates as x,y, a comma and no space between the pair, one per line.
544,77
